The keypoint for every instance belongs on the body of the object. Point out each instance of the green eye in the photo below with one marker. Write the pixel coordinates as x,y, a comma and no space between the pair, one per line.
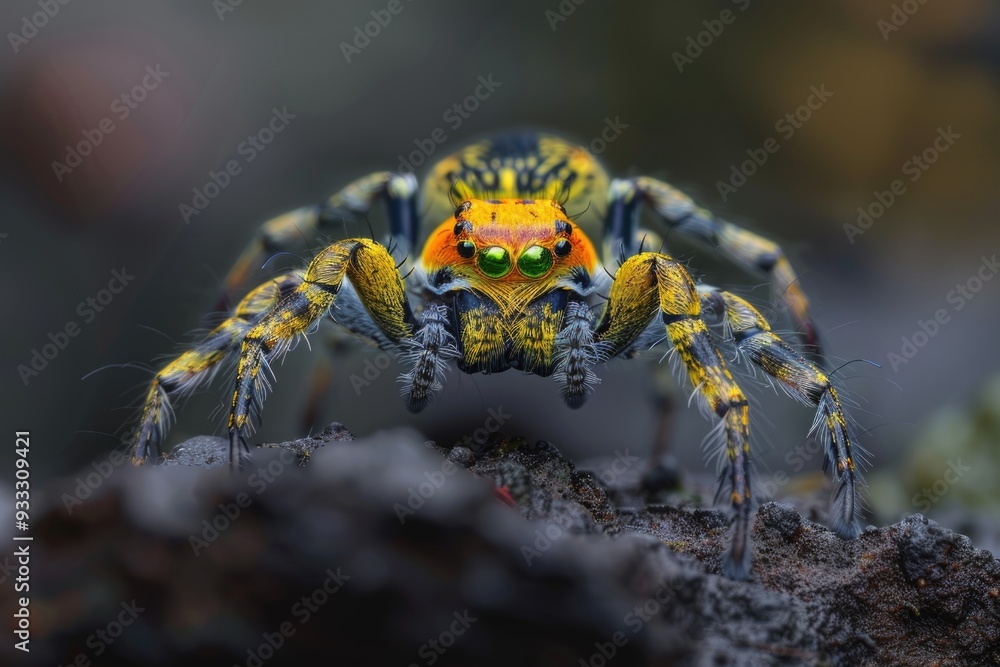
535,262
494,261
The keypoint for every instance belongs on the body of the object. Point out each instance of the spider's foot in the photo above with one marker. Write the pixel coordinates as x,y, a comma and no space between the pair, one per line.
736,566
239,453
736,560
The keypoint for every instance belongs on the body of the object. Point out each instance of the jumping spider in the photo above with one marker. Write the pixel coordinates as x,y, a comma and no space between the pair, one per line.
510,280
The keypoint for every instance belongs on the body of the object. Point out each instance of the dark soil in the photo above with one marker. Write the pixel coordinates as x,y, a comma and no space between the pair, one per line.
390,550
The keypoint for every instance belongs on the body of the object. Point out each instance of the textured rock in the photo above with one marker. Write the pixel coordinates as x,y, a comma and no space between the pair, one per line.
420,550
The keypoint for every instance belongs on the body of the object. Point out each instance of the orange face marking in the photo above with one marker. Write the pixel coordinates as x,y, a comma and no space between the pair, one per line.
485,236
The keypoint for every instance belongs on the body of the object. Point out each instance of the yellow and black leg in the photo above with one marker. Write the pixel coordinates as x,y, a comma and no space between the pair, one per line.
182,376
372,273
299,229
805,382
682,215
651,284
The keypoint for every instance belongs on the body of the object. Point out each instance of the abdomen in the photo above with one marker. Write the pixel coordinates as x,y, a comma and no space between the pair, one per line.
523,165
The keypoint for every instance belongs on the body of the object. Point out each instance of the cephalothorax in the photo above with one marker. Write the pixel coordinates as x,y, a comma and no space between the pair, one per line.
509,280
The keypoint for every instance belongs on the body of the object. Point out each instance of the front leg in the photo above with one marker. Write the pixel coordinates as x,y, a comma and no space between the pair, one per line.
371,271
652,284
198,365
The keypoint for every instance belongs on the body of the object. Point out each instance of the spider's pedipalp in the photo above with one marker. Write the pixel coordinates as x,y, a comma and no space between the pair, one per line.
576,353
428,354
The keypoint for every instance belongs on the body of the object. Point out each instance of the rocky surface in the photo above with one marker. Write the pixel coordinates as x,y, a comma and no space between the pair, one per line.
390,550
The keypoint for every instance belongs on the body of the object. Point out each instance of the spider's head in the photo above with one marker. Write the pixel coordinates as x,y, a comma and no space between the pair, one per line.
499,245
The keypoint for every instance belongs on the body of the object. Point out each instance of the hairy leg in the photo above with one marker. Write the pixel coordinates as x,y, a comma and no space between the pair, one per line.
196,366
803,381
298,229
745,248
373,275
651,284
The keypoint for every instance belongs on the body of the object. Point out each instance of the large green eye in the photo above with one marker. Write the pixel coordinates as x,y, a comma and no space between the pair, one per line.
535,262
494,261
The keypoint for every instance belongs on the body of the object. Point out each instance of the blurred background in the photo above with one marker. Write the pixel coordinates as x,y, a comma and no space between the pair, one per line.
693,86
